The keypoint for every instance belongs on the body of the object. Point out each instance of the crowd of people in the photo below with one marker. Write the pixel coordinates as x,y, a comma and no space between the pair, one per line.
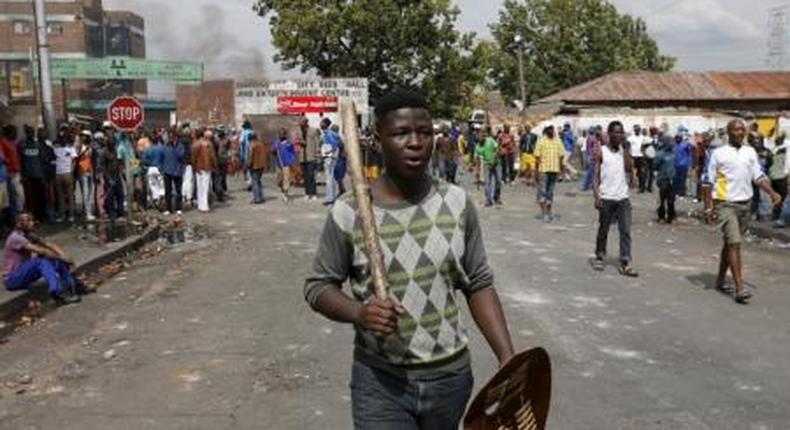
672,163
86,173
738,173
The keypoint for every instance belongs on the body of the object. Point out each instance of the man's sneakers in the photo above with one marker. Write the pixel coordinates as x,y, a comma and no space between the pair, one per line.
627,270
66,299
744,296
597,264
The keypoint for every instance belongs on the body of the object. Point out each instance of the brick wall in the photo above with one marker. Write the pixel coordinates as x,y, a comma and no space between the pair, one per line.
210,103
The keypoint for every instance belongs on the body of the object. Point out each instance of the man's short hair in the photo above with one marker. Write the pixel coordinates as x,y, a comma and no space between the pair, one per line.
612,125
399,98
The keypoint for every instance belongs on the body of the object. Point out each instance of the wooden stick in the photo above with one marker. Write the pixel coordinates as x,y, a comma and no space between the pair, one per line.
364,204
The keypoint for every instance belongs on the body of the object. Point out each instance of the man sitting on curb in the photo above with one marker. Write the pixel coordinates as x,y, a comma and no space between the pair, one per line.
21,269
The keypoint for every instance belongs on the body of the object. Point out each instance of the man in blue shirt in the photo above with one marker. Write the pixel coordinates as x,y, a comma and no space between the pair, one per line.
173,153
244,148
683,155
665,166
330,142
568,142
285,155
152,162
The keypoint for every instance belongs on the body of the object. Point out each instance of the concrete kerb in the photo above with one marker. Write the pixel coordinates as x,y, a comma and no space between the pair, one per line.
13,305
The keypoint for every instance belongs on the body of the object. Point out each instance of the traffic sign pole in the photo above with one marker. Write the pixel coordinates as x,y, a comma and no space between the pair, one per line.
127,114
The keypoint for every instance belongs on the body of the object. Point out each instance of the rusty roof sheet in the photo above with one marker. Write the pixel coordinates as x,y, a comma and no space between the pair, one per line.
678,86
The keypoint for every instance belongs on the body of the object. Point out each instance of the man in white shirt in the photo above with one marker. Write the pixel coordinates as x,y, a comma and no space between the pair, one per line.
731,171
64,179
635,142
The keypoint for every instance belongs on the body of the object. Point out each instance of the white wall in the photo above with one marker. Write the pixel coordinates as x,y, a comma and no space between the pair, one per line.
695,123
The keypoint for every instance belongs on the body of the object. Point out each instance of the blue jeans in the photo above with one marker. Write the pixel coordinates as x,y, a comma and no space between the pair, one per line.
331,185
257,186
784,216
86,193
383,401
55,272
681,173
548,181
588,176
493,185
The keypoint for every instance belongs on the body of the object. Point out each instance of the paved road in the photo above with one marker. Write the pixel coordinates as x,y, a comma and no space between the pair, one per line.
214,334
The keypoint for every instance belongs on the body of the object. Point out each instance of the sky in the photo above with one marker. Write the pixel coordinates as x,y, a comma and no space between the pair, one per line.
233,42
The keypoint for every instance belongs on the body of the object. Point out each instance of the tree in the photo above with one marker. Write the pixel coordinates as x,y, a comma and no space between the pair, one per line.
568,42
409,43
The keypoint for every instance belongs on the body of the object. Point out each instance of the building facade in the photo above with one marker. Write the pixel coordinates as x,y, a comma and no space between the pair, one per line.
76,29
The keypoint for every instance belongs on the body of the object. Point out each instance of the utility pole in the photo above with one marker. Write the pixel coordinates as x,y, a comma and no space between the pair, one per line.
522,86
45,80
778,37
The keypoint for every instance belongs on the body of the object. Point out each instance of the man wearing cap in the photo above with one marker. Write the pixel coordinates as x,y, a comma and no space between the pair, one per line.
683,156
732,170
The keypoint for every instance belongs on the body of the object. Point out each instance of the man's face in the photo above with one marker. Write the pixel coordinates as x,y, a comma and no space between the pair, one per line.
406,137
550,133
637,130
617,136
283,134
736,132
25,222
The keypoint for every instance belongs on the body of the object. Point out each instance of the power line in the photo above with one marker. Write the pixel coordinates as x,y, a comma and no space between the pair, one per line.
662,8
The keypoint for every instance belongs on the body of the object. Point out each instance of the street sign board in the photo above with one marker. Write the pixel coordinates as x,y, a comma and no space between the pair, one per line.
126,68
306,104
125,113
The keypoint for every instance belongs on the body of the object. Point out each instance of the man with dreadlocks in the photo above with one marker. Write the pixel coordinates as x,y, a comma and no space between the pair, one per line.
411,367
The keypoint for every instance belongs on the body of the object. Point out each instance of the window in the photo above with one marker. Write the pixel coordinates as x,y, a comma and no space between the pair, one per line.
54,28
22,27
20,79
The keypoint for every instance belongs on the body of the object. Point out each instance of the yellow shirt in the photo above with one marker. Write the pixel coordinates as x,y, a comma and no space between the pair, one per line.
550,152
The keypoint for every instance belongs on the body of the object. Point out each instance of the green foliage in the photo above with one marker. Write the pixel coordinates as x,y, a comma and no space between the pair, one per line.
409,43
568,42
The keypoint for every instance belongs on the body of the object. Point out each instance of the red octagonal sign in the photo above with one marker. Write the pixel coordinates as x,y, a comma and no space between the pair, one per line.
125,113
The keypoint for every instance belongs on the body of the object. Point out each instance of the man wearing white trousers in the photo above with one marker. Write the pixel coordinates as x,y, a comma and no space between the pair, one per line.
204,161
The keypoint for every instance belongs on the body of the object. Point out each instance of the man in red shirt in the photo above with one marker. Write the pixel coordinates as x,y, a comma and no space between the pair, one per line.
507,154
10,150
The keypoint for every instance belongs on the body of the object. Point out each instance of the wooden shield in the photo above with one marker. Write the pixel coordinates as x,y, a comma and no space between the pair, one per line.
517,397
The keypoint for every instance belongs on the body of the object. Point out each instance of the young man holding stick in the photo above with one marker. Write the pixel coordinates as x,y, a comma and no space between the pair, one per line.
411,366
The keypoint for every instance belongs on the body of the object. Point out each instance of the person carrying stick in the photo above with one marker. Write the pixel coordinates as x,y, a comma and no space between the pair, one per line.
411,366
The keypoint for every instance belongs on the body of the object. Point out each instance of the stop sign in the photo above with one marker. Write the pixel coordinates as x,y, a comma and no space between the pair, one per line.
125,113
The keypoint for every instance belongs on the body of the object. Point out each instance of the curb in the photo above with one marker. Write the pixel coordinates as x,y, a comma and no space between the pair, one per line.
16,304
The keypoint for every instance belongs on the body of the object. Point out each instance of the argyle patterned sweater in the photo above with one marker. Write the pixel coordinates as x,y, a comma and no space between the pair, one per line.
431,250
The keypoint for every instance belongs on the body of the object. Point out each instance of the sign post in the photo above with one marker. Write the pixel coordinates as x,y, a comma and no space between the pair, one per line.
127,114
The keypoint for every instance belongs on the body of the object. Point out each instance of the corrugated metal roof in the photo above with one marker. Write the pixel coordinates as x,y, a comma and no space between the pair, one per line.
678,86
